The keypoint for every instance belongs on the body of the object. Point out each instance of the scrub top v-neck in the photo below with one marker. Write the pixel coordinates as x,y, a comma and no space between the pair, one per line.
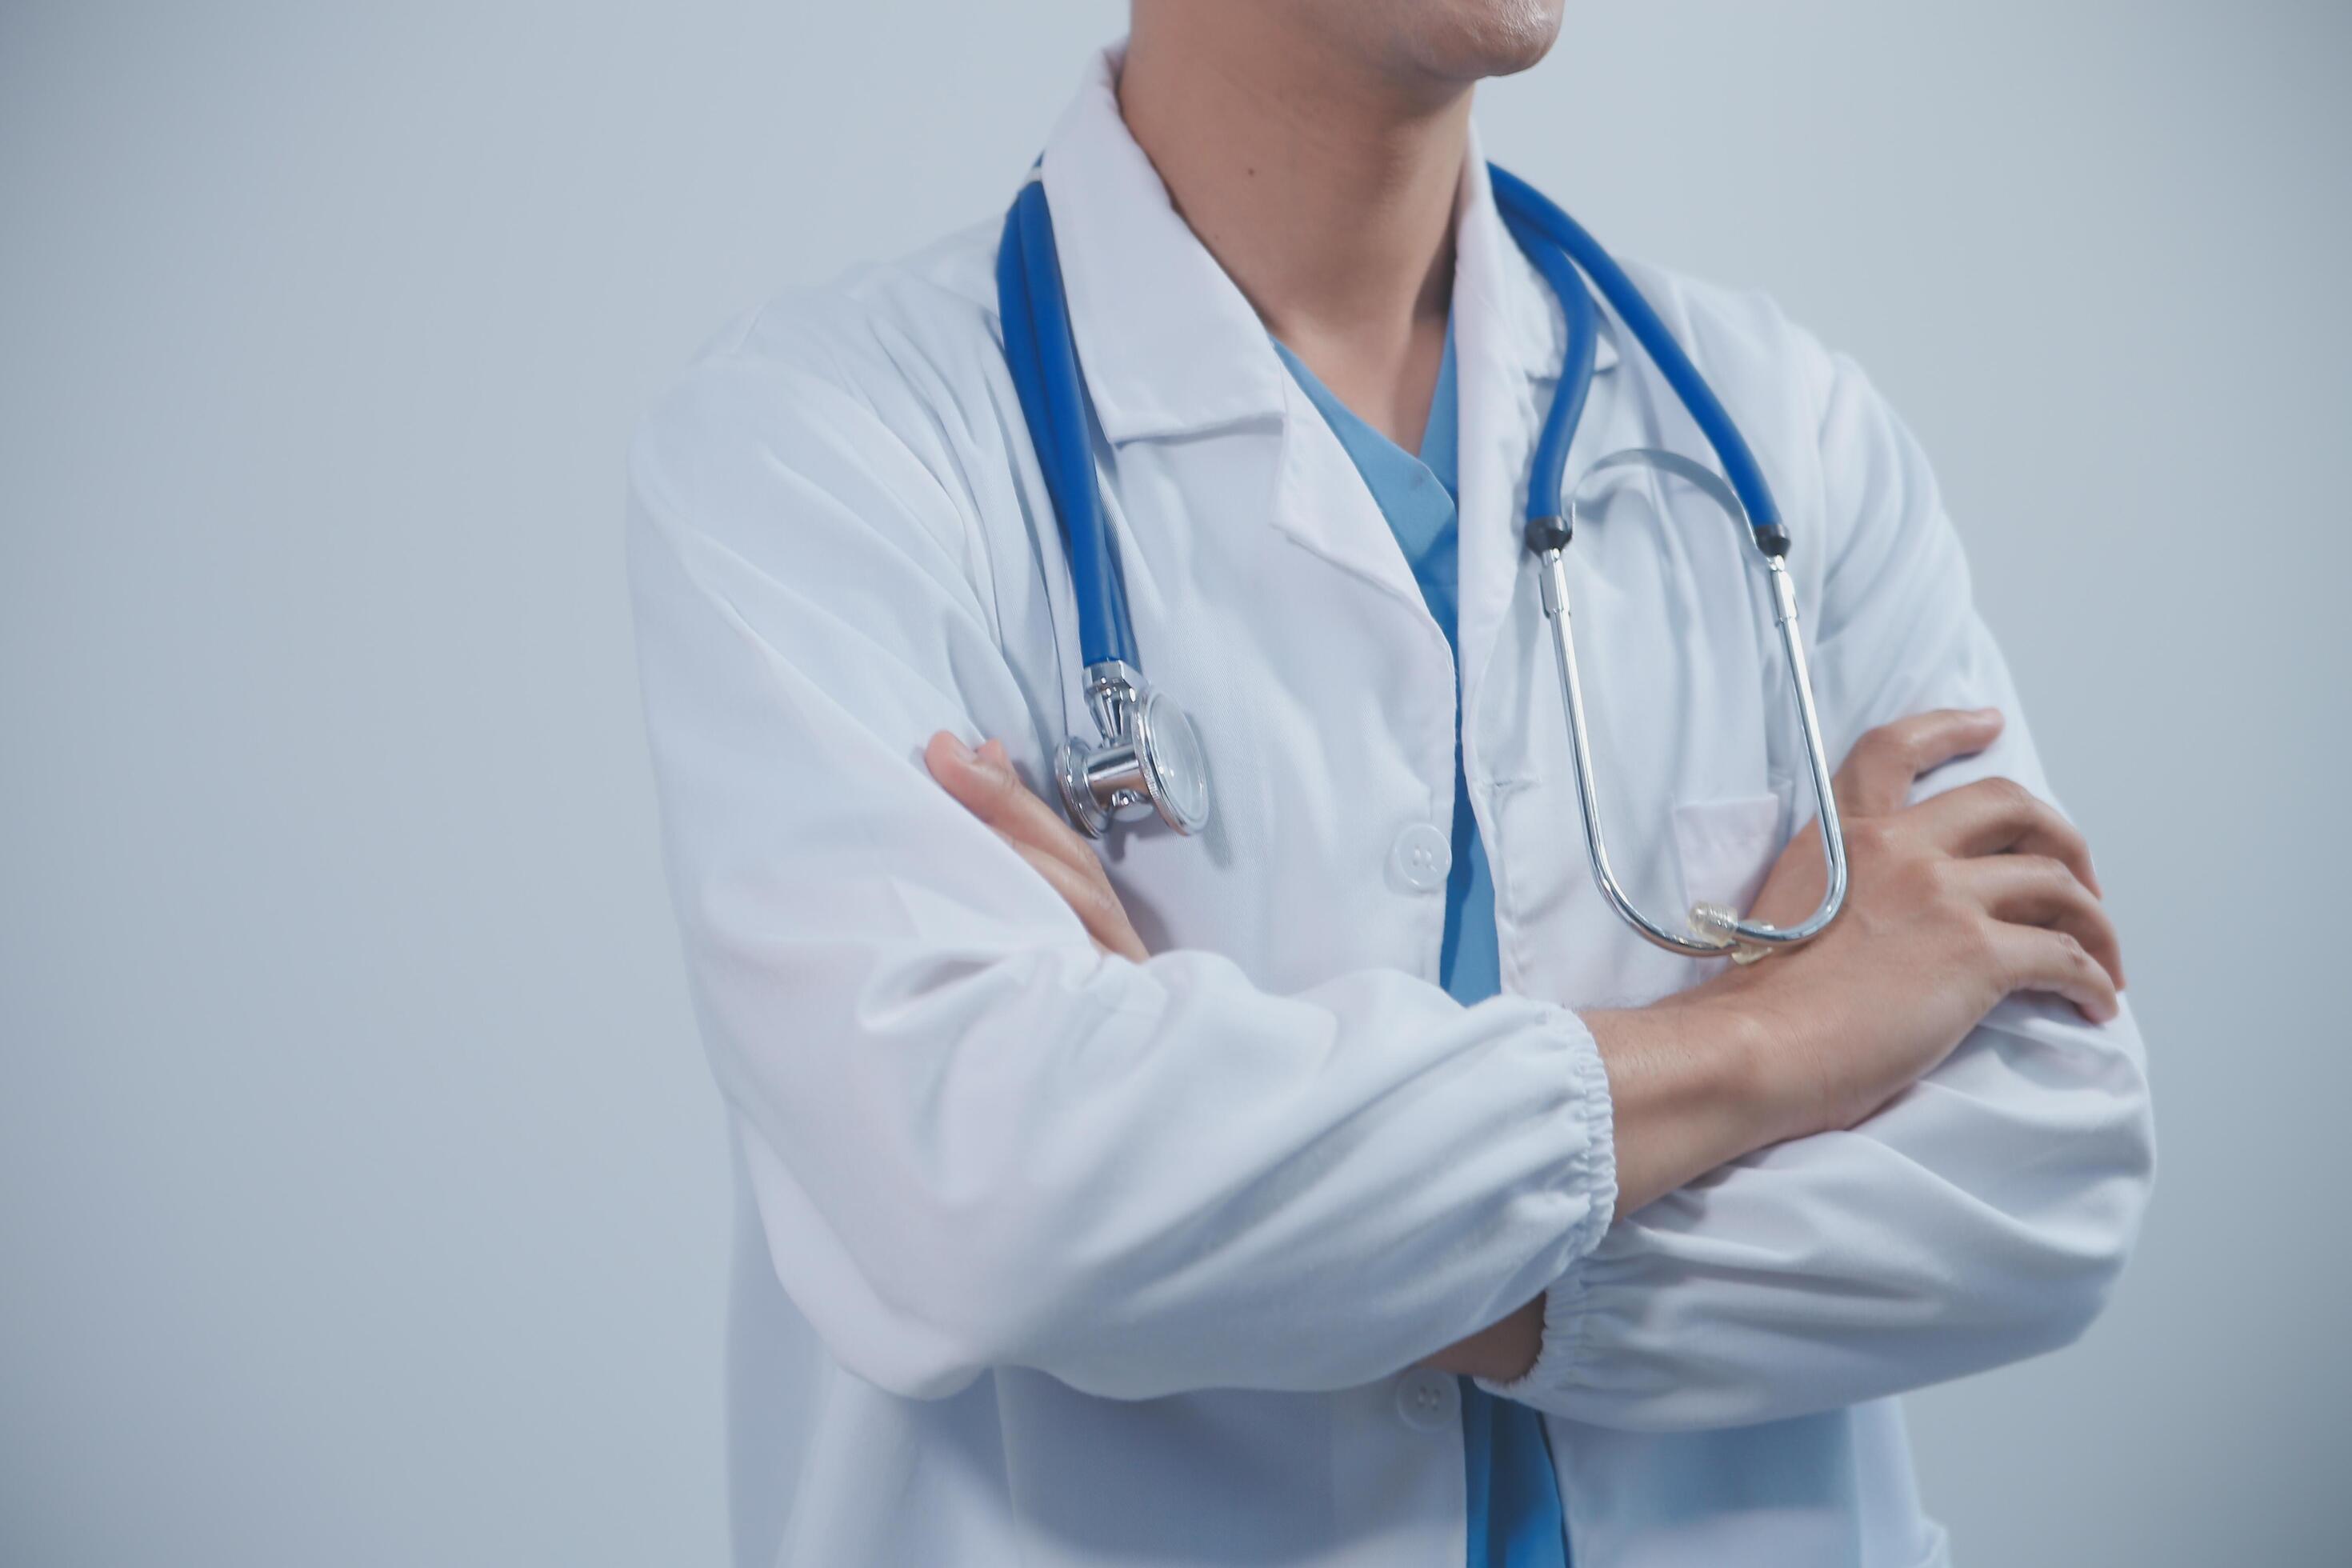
1514,1505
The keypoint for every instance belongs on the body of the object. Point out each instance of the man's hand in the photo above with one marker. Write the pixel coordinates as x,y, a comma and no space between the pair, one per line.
984,782
1953,904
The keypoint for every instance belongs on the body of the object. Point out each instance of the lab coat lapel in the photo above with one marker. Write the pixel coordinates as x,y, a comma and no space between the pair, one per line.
1323,503
1168,345
1172,349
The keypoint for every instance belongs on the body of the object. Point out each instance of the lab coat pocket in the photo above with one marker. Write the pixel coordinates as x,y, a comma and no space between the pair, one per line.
1725,848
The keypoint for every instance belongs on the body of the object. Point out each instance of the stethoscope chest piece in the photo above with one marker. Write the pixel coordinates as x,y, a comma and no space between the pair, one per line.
1148,759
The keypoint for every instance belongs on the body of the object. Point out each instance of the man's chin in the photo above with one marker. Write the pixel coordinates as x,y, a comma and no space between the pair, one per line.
1468,40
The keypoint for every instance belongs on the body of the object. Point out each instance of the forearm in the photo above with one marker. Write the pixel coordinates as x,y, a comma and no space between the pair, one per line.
1981,1218
1687,1096
1817,1040
1688,1092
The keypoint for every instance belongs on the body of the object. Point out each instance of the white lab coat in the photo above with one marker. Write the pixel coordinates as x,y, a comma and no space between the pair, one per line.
1051,1258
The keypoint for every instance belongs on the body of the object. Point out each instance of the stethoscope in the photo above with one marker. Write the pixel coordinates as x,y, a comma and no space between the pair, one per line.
1147,759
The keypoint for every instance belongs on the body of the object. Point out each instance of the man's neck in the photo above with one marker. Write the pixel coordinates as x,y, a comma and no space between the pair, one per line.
1325,191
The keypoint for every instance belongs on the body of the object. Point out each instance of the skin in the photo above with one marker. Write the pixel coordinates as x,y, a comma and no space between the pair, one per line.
1315,147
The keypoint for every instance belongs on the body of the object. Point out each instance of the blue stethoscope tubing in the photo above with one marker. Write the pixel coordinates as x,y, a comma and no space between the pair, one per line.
1558,247
1044,357
1146,749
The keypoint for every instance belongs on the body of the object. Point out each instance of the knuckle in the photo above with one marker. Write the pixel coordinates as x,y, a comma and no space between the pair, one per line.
1964,909
1929,885
1954,888
1883,734
1978,936
1927,881
1884,745
2048,870
2012,797
2074,959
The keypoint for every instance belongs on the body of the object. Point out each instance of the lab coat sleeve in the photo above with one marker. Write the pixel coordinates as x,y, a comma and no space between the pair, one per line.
974,1140
1979,1219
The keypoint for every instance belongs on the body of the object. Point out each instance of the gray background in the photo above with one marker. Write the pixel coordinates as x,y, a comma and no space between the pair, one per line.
361,1192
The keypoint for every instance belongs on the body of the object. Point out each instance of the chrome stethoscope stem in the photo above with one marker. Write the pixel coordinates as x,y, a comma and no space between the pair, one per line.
1817,764
1714,932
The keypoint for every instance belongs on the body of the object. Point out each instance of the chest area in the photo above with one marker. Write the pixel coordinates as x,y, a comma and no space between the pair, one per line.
1271,598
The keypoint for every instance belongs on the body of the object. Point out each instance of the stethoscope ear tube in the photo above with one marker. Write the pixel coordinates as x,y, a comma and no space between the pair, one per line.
1755,941
1567,255
1713,932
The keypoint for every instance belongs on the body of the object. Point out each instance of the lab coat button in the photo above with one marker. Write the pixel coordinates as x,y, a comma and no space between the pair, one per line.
1428,1400
1420,859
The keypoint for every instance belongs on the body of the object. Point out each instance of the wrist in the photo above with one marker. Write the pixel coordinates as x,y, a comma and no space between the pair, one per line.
1694,1081
1500,1352
1757,1067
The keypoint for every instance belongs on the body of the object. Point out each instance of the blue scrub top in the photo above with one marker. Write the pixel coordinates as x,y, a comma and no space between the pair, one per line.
1514,1494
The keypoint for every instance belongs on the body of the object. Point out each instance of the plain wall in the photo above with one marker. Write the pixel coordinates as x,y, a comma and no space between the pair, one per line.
363,1197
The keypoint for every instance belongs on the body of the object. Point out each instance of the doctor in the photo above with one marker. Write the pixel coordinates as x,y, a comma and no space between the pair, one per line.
1346,1185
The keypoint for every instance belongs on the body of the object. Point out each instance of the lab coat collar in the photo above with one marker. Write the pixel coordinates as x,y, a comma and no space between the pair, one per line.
1169,344
1493,282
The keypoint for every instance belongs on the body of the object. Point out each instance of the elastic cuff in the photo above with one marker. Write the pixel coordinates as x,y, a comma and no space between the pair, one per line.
1596,1165
1545,1384
1595,1169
